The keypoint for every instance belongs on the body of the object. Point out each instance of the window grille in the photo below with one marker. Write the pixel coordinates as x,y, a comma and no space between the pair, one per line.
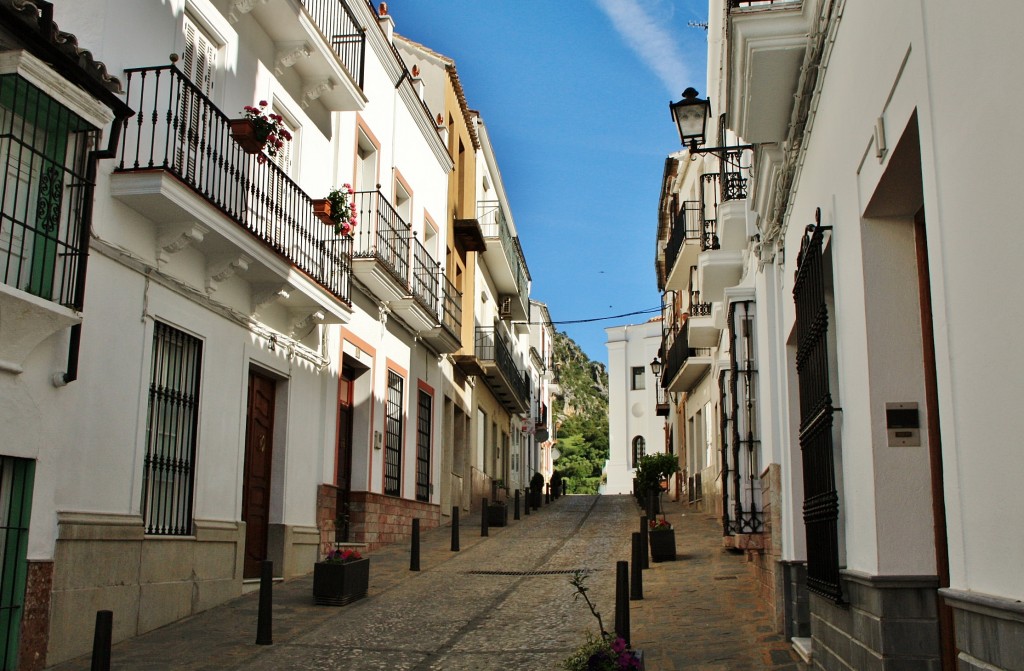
172,423
16,480
821,499
742,509
639,449
424,422
43,151
393,437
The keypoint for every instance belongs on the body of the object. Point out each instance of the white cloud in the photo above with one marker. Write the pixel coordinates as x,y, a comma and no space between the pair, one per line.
657,47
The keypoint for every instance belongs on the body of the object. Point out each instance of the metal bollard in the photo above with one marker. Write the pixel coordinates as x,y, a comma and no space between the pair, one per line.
622,600
645,561
264,620
483,520
527,501
565,488
101,640
636,584
516,515
455,528
414,552
547,493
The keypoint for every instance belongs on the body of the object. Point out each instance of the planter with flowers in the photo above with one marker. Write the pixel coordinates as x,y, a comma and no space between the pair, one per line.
662,538
259,130
607,652
338,209
341,578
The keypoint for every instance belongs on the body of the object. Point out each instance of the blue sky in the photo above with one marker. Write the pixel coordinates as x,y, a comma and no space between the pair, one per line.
575,97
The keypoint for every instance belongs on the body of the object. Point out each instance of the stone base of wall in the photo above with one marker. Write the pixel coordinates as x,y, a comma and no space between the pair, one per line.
765,556
890,624
35,620
989,630
795,599
379,520
106,562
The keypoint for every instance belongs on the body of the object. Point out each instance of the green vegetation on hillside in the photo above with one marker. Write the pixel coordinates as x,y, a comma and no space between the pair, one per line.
581,413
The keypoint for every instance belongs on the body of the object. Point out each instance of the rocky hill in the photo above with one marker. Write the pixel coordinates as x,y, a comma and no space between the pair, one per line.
581,413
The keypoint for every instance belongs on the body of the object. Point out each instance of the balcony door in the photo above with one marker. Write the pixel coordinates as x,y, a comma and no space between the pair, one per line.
199,65
256,482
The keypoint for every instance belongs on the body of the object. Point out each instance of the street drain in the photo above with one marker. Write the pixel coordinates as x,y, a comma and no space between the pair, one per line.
725,577
567,571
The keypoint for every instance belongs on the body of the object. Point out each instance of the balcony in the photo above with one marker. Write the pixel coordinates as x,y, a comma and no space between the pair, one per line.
180,168
769,38
492,360
684,243
661,407
702,330
684,366
320,41
381,248
504,258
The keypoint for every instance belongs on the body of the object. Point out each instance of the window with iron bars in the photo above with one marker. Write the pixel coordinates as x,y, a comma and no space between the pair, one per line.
16,480
168,474
43,149
424,424
393,436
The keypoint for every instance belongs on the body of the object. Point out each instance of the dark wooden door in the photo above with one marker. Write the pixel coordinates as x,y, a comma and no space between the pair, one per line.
259,436
343,467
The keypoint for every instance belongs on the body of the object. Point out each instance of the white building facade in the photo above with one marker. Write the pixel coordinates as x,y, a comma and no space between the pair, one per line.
635,425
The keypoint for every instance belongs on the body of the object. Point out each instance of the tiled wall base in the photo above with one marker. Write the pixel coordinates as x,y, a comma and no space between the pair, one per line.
989,631
379,520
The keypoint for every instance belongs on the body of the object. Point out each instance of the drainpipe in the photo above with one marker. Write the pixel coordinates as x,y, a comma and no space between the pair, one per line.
85,231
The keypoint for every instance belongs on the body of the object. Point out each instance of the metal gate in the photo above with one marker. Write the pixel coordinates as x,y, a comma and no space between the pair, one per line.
821,499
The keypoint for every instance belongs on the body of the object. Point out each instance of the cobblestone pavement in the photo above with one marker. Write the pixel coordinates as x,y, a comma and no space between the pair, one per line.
502,602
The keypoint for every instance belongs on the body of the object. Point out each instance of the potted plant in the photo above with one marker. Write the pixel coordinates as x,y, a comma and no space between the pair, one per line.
338,209
651,471
259,130
662,538
536,490
607,652
342,577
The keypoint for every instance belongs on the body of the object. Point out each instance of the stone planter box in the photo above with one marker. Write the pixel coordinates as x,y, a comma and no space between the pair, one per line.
663,544
497,515
340,584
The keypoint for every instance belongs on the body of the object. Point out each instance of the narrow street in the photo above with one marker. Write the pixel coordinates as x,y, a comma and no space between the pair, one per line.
502,602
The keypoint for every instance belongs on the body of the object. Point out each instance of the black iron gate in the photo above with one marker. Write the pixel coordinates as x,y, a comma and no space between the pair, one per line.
821,499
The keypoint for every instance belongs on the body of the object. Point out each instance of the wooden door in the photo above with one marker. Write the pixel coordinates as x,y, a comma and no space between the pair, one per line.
259,437
343,467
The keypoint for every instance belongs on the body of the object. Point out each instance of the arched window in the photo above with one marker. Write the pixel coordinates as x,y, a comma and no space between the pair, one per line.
638,449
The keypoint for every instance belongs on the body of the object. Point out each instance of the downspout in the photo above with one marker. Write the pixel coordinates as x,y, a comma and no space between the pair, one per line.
85,231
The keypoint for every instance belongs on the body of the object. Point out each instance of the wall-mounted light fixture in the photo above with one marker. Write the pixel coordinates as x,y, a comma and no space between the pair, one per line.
691,116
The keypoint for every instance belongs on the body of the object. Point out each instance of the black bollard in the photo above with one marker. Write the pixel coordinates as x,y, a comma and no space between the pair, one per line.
622,600
547,493
565,488
414,552
526,500
645,561
101,640
455,528
264,620
652,508
516,515
483,520
636,584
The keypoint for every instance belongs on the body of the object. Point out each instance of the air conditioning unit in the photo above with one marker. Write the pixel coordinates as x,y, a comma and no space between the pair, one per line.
505,307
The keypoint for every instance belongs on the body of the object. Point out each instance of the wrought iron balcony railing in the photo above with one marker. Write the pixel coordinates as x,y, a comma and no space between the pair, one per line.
382,234
425,280
451,306
687,226
696,308
179,130
677,352
342,31
493,224
491,347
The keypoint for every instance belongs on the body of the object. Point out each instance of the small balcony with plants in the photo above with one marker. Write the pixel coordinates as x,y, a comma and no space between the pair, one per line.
767,45
505,259
320,43
205,189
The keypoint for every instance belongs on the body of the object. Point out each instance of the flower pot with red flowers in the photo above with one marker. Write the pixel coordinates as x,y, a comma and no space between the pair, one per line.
260,130
341,578
338,209
662,538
